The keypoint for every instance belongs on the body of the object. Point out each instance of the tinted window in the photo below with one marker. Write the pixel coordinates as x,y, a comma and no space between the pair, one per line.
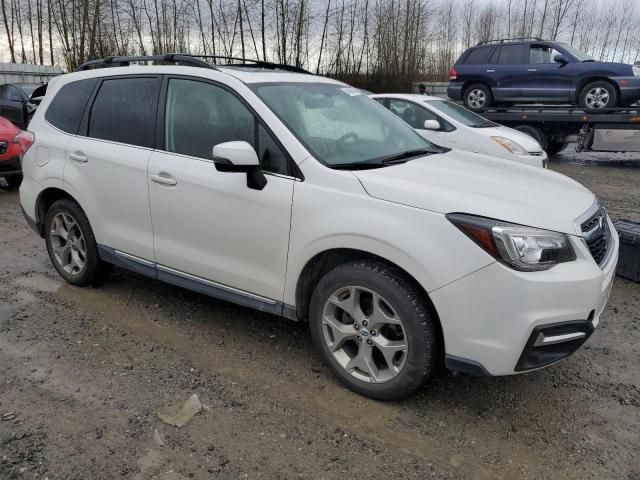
477,56
125,111
14,94
4,92
199,116
66,109
542,54
510,55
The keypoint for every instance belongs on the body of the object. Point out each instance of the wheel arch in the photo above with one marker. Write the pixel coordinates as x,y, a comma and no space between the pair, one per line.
583,82
45,199
327,260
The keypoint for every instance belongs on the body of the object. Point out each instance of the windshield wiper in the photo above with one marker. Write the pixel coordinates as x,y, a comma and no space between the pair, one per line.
404,156
358,165
588,60
485,124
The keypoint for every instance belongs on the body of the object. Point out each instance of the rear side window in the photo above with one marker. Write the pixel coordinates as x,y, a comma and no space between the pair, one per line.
510,55
66,109
477,56
124,111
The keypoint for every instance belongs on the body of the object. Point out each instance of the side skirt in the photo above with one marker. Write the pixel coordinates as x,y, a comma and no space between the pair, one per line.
197,284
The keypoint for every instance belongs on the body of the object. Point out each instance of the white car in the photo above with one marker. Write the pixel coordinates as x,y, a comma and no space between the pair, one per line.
300,196
450,125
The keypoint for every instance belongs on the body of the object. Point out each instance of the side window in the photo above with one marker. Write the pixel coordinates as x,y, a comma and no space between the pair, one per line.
125,111
411,113
4,92
542,54
476,56
66,109
380,100
200,115
511,55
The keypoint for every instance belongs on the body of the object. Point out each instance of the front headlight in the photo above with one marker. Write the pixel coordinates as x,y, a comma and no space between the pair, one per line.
522,248
636,71
510,145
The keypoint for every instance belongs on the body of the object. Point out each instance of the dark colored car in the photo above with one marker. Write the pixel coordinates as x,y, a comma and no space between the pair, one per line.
504,72
18,101
13,143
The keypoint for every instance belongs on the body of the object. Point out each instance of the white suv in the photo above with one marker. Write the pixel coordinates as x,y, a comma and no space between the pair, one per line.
300,196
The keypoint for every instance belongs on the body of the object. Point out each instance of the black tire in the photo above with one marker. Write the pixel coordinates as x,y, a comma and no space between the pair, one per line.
612,96
553,147
420,327
14,182
474,106
94,271
534,133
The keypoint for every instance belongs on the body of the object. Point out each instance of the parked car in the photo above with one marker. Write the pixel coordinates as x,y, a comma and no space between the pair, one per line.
449,125
18,102
504,72
299,196
13,143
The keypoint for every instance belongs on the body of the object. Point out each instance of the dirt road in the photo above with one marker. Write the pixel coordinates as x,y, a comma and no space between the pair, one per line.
83,373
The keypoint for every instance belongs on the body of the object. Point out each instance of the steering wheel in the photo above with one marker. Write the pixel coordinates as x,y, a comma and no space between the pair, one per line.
343,139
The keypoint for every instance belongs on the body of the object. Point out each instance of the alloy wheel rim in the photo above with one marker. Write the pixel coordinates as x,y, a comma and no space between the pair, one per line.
68,244
364,334
597,97
476,98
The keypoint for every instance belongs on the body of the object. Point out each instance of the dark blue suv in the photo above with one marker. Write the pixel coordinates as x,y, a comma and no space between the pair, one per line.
504,72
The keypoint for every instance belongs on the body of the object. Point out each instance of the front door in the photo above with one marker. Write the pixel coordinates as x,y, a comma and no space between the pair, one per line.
209,227
415,115
548,81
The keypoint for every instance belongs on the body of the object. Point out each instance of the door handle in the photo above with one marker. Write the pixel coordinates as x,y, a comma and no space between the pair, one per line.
490,71
78,157
532,70
164,179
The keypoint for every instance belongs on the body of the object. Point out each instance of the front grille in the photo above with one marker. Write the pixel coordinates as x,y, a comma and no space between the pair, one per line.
537,153
596,234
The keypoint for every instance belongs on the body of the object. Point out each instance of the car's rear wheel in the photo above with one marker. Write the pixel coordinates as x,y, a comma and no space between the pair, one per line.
374,330
71,245
478,97
598,95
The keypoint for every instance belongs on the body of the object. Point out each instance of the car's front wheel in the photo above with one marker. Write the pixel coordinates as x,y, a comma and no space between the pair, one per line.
71,245
374,329
598,95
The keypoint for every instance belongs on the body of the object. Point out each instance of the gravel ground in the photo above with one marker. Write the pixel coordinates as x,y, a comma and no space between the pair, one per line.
83,373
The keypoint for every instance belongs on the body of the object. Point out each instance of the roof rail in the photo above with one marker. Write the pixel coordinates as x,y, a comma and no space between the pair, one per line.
249,62
507,40
191,60
115,61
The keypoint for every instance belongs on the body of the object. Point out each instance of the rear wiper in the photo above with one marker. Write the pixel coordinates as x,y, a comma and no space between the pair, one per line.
402,157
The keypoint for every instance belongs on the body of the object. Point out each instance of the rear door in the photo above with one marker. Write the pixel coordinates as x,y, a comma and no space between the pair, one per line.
547,79
106,166
510,71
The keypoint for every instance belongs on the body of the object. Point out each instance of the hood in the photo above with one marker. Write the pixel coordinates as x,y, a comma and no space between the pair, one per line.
522,139
477,184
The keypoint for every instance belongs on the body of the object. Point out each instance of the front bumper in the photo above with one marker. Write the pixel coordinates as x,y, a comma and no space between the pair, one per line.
629,88
492,318
10,167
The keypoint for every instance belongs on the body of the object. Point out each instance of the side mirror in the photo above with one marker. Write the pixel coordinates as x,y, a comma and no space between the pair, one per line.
560,59
431,125
240,156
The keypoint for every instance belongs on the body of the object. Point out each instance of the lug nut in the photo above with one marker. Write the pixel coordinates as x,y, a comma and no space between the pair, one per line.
365,323
356,326
373,333
359,338
369,342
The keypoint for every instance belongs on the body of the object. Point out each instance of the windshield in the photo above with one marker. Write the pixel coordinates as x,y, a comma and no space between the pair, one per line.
339,125
460,114
579,54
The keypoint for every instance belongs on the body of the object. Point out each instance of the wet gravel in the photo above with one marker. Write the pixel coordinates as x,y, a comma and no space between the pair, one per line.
83,373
